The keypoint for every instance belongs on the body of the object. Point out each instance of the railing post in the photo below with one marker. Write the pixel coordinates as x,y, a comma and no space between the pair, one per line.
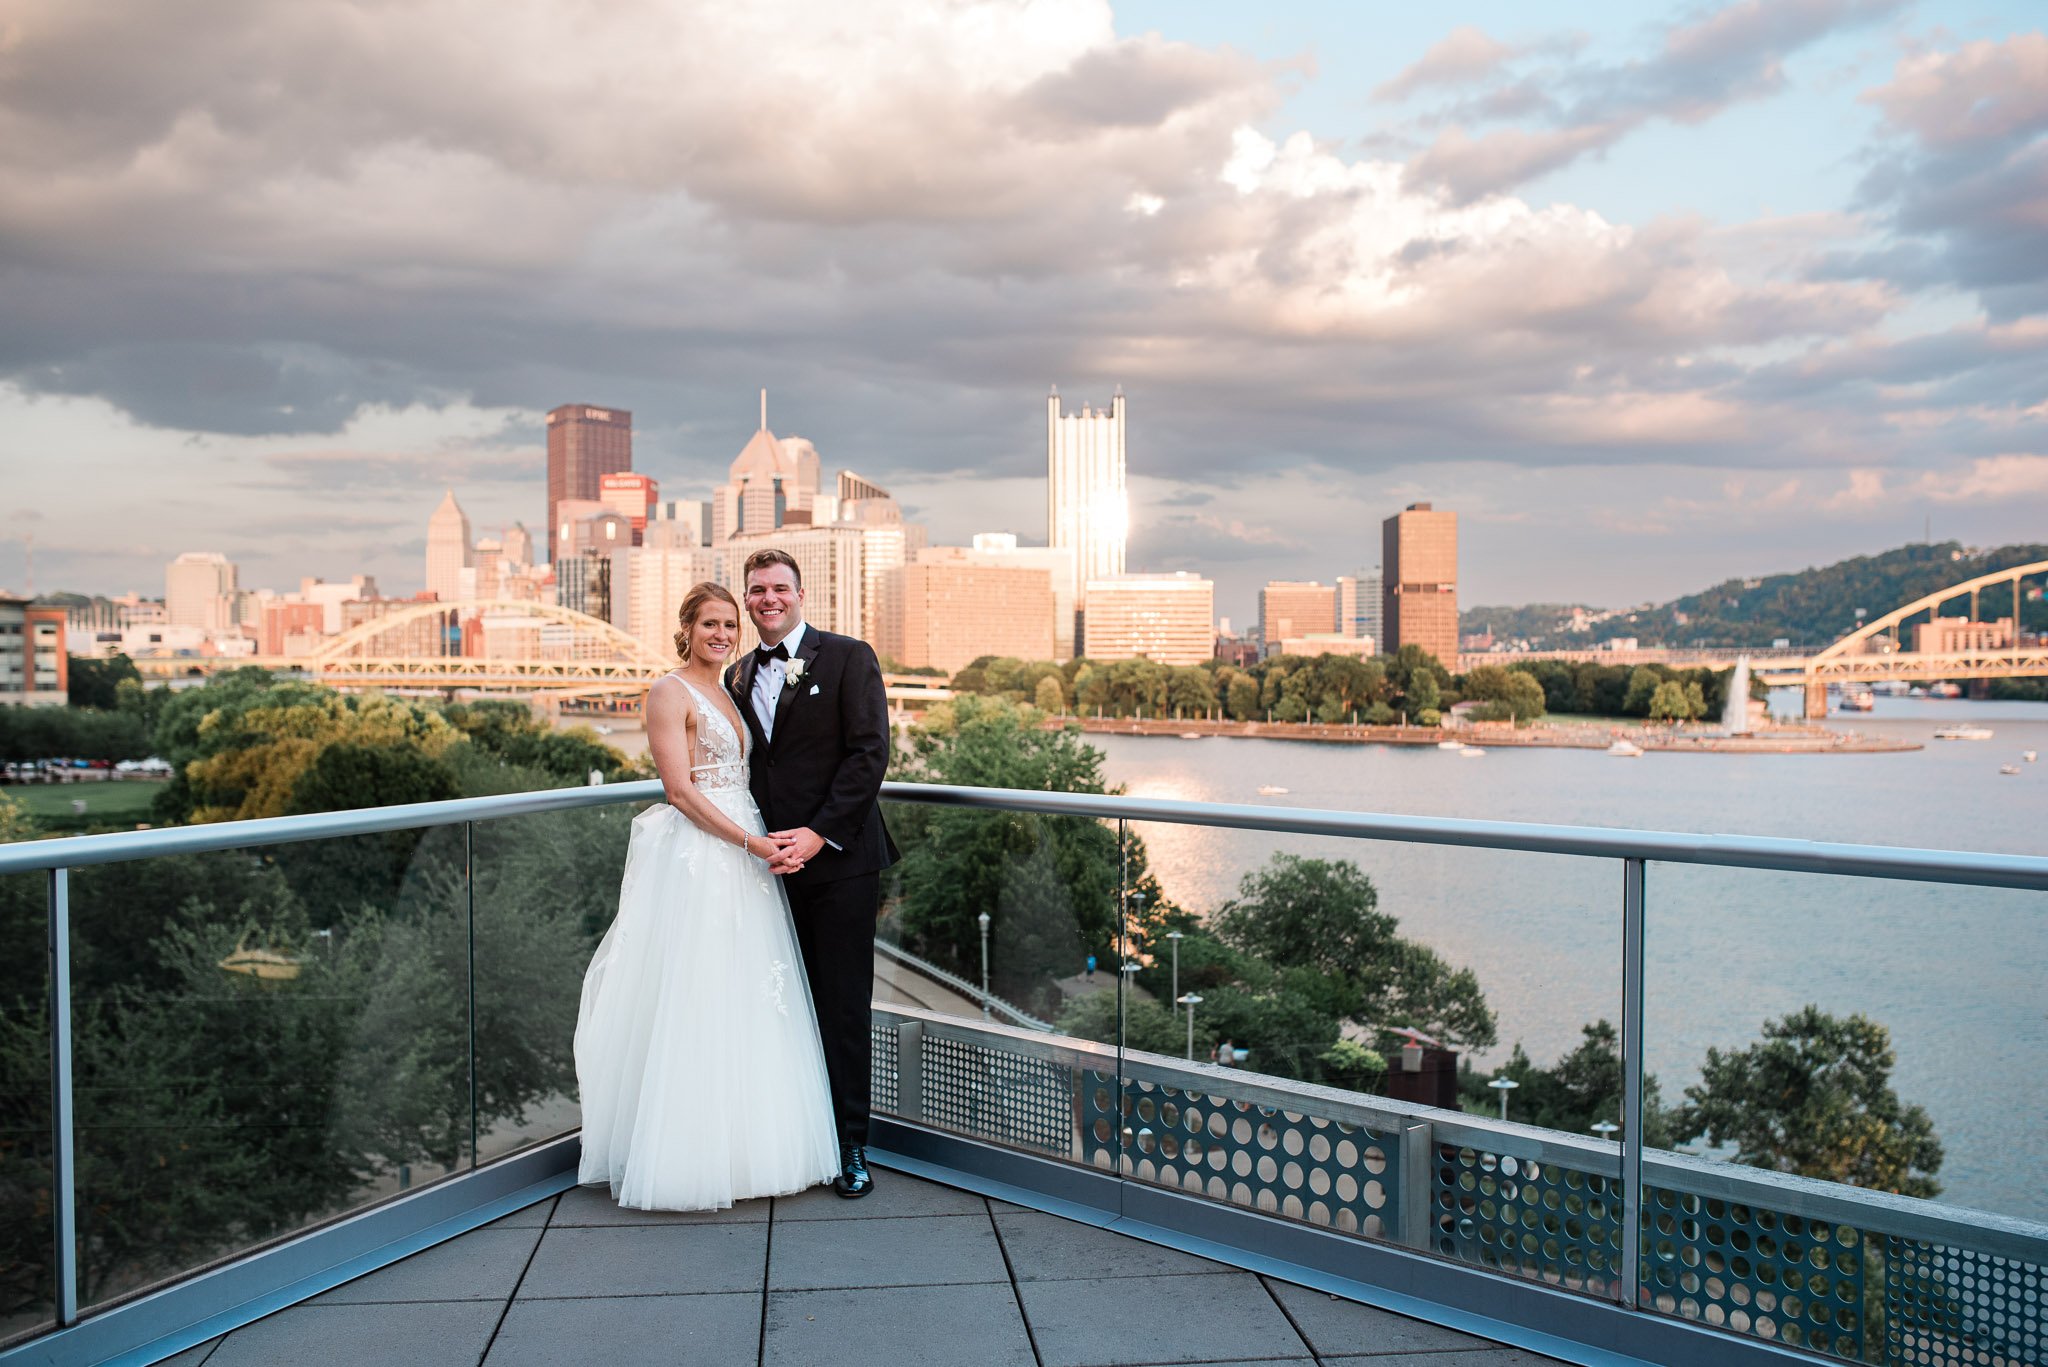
469,912
1631,1079
63,1153
1417,1160
910,1070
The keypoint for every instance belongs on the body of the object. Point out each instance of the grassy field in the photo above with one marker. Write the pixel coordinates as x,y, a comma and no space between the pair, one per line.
106,804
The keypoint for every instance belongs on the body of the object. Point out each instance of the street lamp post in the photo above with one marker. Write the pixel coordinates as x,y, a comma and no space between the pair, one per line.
1190,1001
1504,1085
982,921
1174,936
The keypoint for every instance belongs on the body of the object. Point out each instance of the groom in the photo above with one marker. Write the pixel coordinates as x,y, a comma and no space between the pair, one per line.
820,719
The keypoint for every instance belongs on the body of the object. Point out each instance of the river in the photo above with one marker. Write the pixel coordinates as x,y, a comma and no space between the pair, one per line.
1959,975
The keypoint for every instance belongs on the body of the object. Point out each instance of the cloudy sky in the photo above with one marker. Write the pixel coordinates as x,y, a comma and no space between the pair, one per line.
1651,296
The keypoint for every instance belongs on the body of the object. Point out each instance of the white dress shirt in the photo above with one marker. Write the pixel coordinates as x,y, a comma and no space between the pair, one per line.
770,679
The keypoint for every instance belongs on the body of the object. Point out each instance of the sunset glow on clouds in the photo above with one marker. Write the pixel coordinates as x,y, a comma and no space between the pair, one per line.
256,259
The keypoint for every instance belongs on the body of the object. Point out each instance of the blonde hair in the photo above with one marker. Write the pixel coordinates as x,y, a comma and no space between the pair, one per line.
693,603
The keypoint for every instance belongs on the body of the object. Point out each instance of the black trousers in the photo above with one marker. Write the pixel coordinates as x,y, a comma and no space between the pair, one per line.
835,929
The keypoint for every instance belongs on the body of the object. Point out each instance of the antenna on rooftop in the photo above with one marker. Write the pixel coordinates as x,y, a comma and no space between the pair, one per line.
764,410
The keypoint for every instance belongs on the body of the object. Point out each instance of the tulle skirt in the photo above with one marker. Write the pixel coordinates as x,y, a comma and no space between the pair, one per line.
697,1048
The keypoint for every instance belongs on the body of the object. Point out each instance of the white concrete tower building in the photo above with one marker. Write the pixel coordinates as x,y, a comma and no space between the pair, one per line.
448,549
1087,509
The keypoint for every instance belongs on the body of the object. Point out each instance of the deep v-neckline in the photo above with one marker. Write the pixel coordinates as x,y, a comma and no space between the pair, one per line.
736,727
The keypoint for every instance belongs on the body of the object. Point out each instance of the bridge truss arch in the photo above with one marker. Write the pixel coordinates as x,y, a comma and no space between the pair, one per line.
489,644
1850,659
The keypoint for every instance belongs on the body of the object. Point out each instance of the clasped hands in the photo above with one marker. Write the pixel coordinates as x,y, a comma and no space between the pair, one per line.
791,850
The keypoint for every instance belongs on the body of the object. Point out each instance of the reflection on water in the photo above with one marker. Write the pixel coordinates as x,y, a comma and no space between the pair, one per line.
1955,973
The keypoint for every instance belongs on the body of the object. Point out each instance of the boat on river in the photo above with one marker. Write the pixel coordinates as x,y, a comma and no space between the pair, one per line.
1964,731
1627,749
1450,745
1859,700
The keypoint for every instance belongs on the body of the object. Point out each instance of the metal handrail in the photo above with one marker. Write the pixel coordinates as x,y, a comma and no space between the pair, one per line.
1975,868
1877,1212
960,985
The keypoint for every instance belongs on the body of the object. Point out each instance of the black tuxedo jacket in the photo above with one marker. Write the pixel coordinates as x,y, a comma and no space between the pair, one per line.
825,765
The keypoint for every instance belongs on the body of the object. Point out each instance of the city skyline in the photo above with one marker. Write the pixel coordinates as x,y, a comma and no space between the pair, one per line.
1653,300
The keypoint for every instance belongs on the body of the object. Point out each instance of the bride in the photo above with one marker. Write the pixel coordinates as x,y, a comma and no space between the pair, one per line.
696,1045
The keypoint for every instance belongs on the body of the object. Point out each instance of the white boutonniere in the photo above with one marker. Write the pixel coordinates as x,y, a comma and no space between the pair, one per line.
793,669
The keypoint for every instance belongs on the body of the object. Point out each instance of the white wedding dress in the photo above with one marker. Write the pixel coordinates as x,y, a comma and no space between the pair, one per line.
697,1047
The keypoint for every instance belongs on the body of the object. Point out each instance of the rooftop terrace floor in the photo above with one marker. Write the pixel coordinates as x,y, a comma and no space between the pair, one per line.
916,1273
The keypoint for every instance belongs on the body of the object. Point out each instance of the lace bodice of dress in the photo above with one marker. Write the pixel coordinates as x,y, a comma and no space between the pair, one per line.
719,759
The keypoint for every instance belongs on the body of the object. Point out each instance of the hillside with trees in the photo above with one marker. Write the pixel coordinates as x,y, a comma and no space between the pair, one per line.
1808,607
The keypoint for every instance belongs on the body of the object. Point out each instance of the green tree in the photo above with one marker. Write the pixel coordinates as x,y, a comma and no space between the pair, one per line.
1669,702
1516,694
1048,883
1582,1089
1642,691
1190,691
1424,694
1323,915
1244,698
1814,1097
93,681
334,876
1148,1025
1051,697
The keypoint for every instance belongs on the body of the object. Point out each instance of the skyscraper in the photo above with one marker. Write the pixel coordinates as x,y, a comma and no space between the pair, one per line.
448,549
768,481
945,614
584,445
630,494
518,545
200,591
1087,509
1420,561
1167,618
1290,609
1360,613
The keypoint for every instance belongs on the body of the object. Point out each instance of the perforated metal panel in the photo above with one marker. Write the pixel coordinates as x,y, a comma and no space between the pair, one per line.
882,1069
1947,1307
1755,1271
1304,1167
1532,1219
994,1094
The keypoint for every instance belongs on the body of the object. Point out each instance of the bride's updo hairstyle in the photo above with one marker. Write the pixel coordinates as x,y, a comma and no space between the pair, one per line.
693,603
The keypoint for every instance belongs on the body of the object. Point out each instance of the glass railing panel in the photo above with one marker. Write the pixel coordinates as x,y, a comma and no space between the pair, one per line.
1844,1161
27,1222
997,918
265,1039
546,889
1368,993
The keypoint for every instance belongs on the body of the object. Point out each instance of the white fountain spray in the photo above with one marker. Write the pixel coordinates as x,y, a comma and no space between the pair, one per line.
1735,711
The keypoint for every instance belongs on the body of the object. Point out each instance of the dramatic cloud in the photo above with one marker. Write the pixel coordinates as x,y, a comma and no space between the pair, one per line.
1968,174
1730,55
285,256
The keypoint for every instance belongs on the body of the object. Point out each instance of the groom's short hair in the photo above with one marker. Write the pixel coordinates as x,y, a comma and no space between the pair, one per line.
761,560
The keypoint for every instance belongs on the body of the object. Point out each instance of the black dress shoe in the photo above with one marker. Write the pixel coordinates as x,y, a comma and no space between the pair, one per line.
854,1179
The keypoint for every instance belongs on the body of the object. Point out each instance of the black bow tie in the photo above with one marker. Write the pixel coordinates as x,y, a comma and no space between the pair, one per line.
764,654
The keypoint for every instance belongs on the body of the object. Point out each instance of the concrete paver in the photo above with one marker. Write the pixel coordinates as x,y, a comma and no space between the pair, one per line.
1335,1327
918,1273
710,1330
915,1250
1212,1317
482,1265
